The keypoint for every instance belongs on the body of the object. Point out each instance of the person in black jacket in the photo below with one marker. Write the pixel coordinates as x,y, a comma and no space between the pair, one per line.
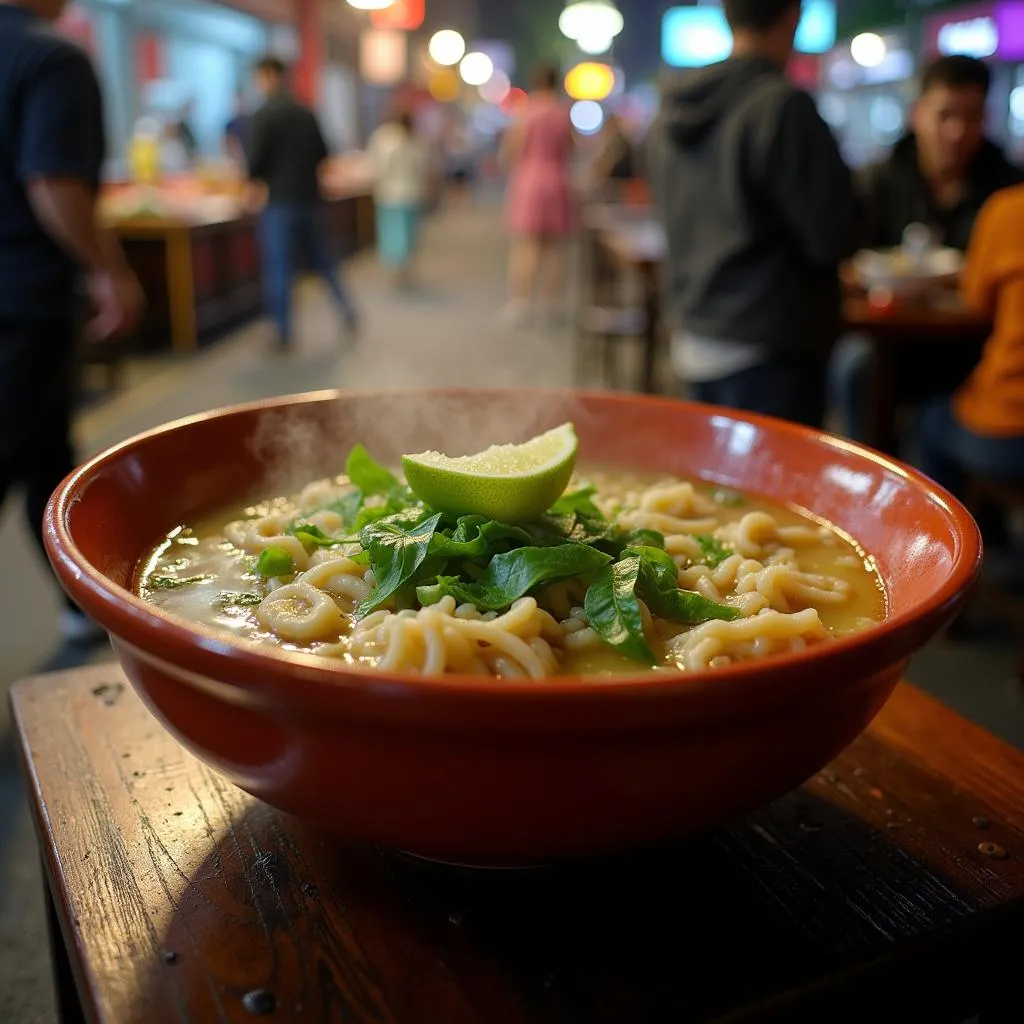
286,149
940,175
758,206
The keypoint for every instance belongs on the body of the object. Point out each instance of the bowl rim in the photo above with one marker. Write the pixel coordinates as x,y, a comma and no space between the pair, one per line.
881,645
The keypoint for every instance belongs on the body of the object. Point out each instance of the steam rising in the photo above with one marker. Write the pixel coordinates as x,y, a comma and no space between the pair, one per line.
299,443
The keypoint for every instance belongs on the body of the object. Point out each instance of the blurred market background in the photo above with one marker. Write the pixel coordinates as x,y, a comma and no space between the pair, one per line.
178,93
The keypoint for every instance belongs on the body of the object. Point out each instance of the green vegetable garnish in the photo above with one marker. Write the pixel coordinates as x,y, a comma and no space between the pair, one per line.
515,574
274,561
175,582
729,498
231,599
577,501
312,537
712,551
613,609
397,552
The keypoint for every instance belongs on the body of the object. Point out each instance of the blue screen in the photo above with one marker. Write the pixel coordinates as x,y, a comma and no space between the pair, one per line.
694,36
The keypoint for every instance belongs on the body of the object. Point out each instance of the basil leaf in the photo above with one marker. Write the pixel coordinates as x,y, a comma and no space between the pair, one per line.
312,537
372,513
369,475
396,553
476,537
577,501
659,586
175,582
347,506
230,599
613,609
275,561
712,551
578,528
646,538
656,557
514,574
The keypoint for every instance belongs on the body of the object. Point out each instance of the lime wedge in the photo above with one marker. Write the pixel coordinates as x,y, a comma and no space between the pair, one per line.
512,483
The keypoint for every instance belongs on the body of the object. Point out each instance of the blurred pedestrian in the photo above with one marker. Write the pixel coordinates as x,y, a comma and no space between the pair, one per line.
980,430
538,150
286,150
51,157
401,173
758,207
181,129
939,175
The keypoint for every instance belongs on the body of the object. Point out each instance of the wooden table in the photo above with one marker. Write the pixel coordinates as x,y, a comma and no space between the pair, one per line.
891,887
202,276
641,246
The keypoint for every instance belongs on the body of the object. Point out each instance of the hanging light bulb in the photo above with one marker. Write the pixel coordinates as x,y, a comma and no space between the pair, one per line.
590,19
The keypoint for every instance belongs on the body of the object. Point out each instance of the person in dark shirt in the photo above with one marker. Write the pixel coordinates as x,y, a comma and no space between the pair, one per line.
940,175
286,149
944,171
758,207
51,154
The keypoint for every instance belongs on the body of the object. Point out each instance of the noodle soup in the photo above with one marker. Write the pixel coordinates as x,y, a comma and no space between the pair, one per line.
626,573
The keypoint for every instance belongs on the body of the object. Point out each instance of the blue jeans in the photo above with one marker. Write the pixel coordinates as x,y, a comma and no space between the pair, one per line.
790,388
950,453
294,235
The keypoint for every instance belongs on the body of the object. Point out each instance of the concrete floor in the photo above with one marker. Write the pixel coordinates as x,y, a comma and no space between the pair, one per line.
449,333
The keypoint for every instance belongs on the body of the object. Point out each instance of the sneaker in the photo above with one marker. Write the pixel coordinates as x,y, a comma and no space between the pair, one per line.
76,628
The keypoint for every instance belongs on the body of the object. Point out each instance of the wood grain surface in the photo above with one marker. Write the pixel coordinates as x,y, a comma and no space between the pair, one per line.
890,888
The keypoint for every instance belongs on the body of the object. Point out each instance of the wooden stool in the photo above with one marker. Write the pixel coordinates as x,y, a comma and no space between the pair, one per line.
889,887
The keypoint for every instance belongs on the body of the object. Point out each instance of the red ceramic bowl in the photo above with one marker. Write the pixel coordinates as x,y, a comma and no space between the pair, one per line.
474,770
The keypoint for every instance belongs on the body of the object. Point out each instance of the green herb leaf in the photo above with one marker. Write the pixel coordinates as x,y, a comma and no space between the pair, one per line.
274,561
175,582
231,599
514,574
477,537
577,501
371,477
646,538
398,548
659,586
312,537
347,507
613,609
712,551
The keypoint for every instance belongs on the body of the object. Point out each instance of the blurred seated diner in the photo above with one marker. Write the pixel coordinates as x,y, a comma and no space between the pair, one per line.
939,176
979,431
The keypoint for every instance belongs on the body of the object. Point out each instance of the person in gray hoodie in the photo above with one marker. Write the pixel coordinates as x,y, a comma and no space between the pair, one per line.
759,208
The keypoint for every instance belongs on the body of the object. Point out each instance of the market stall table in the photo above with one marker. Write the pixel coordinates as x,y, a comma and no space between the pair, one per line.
891,887
202,272
640,246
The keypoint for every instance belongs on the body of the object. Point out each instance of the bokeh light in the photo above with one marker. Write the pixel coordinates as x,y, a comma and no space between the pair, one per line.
868,49
594,43
591,17
447,47
515,100
586,116
496,88
590,81
370,5
476,68
444,85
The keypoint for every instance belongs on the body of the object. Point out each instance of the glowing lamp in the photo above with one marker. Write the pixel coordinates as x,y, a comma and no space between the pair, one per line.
590,81
593,18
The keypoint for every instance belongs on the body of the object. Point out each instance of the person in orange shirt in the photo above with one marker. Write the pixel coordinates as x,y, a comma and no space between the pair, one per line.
980,430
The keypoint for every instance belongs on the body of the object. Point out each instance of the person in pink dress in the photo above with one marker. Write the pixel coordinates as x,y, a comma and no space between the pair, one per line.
538,151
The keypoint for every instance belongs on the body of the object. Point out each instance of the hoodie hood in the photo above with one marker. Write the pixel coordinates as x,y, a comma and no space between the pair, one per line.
694,101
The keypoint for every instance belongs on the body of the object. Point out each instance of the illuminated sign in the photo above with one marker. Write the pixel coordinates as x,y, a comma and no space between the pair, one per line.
978,37
982,31
696,36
